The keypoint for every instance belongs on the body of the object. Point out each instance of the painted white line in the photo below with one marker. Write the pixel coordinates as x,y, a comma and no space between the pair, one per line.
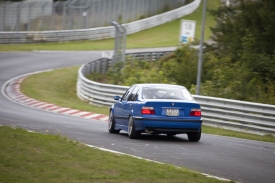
21,97
22,77
60,109
31,131
80,113
54,106
104,118
43,106
215,177
30,103
38,104
91,116
29,100
108,150
70,111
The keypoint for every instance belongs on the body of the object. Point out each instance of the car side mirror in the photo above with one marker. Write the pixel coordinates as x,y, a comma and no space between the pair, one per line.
117,97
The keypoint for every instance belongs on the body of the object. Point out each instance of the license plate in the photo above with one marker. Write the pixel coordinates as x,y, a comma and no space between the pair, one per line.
172,112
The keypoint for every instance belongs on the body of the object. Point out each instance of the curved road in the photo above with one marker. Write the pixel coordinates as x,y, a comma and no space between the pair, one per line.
231,158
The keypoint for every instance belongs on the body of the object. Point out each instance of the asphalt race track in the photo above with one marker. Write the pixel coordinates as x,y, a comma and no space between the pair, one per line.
236,159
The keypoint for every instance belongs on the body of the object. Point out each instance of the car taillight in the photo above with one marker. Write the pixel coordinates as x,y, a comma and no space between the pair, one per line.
195,112
147,110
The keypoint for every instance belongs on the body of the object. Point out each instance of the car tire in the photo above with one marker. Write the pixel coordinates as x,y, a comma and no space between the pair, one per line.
194,136
132,133
111,124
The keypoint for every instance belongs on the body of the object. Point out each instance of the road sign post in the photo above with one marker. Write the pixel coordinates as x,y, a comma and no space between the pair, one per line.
201,50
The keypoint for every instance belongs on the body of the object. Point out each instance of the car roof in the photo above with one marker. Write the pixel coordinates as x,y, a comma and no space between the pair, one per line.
158,85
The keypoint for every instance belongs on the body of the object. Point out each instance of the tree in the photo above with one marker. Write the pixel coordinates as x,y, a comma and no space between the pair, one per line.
245,32
181,66
241,63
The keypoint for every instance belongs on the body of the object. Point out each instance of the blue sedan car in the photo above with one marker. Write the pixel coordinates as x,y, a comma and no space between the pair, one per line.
156,109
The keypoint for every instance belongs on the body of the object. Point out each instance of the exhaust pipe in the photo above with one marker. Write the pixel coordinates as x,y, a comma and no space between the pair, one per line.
150,131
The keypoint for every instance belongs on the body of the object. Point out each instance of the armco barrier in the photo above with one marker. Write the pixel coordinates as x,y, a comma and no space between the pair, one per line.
95,33
225,113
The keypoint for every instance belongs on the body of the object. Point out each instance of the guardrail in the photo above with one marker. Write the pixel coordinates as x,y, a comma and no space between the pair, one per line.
102,65
95,33
225,113
37,15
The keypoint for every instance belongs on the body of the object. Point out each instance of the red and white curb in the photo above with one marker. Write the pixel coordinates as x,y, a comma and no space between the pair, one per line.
12,91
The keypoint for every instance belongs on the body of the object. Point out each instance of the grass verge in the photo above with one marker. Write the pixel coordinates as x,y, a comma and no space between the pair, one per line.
32,157
161,36
59,87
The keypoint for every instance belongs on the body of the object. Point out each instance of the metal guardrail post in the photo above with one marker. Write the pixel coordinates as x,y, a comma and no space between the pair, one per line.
54,14
43,12
18,16
29,15
64,14
3,16
120,43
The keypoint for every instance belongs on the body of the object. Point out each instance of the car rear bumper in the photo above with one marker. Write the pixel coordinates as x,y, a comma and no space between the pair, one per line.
167,125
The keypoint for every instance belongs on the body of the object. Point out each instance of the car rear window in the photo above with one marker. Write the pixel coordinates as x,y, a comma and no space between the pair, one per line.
166,93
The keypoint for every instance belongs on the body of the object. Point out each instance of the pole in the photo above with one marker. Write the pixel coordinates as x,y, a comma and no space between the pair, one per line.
201,49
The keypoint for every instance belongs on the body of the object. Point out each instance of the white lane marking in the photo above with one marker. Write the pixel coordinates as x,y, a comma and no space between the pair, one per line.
38,104
39,107
104,118
21,77
91,116
70,111
54,106
215,177
116,152
29,100
31,103
80,113
60,109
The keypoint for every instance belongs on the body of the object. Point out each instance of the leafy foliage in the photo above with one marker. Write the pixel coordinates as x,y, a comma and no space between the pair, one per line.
246,33
179,67
240,65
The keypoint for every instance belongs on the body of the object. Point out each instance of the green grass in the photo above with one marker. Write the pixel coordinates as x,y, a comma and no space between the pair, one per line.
59,87
243,135
165,35
33,157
